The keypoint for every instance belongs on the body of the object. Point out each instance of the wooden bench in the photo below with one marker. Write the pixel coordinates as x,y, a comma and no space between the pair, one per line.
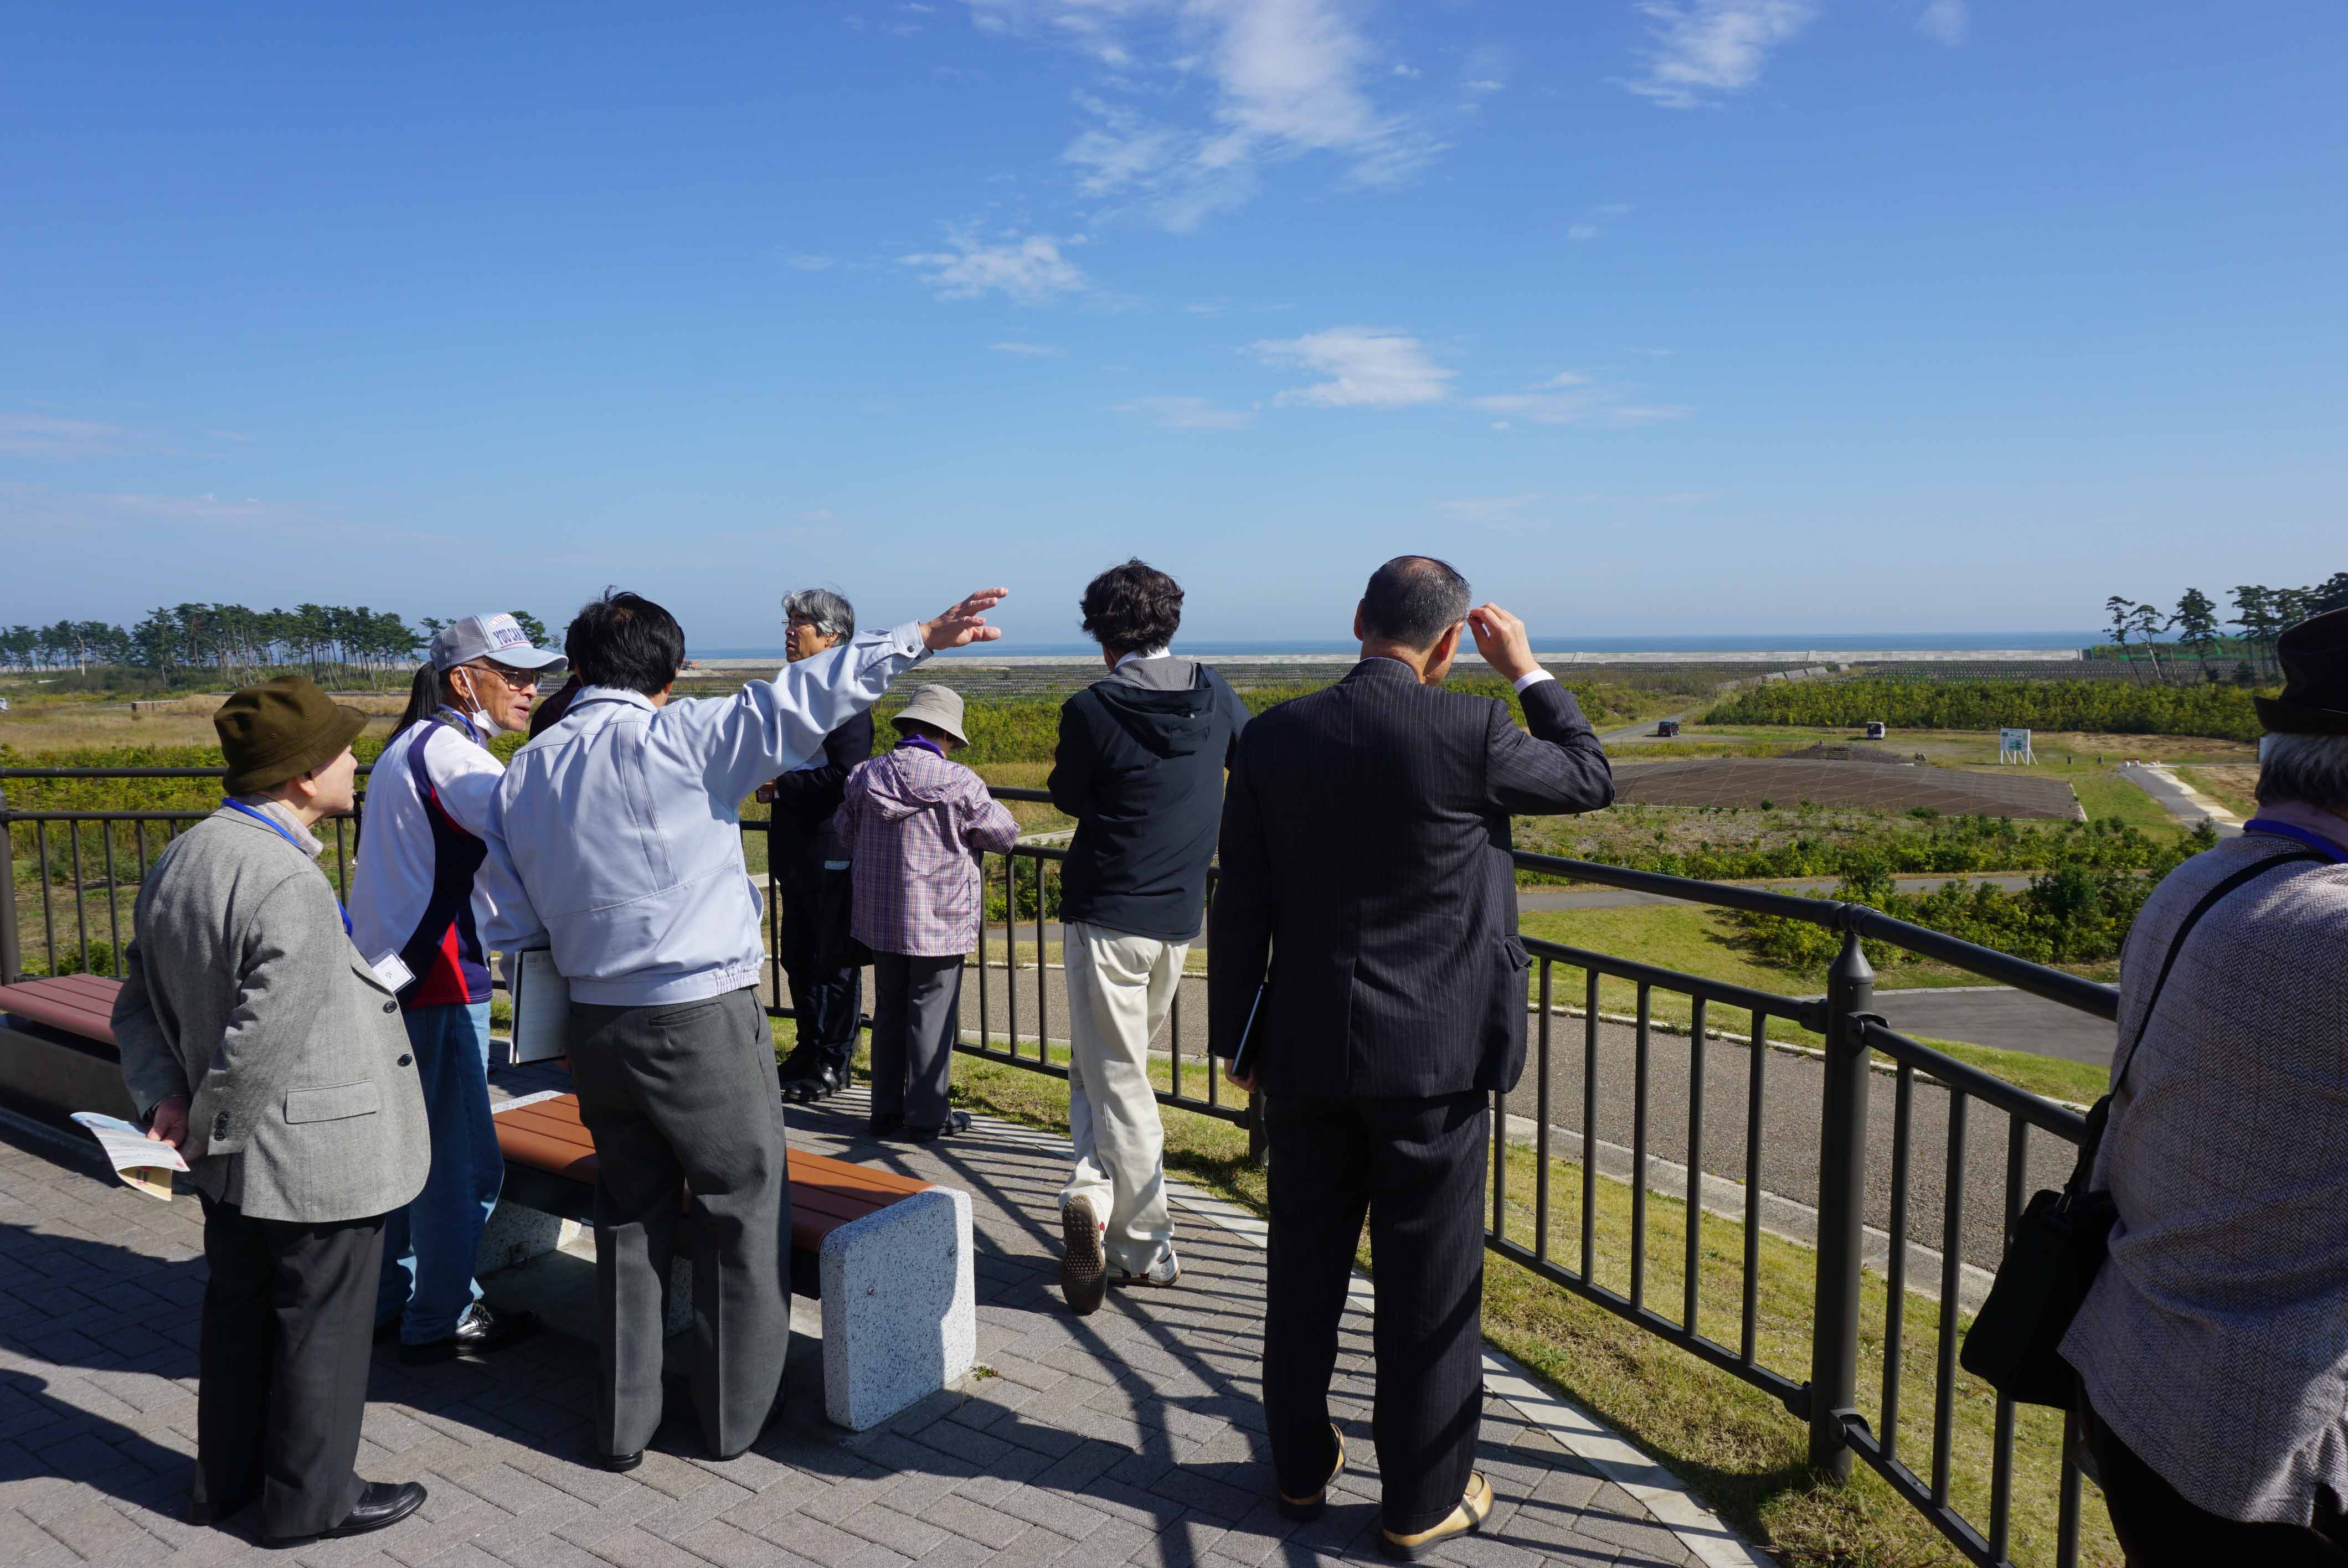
57,1048
889,1256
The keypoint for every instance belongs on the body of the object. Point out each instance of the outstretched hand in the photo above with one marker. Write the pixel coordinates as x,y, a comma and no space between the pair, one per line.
965,622
1503,641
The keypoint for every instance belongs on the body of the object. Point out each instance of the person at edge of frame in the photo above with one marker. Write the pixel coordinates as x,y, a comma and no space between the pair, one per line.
615,843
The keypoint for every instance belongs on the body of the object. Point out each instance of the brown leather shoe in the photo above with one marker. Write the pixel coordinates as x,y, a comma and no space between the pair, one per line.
1308,1508
1473,1510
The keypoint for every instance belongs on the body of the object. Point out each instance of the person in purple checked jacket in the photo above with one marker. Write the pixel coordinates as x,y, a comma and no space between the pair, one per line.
915,825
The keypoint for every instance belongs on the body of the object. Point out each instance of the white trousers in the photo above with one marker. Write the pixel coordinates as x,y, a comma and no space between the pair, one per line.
1120,988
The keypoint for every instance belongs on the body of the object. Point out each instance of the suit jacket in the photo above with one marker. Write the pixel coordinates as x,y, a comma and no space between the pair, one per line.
1365,861
244,994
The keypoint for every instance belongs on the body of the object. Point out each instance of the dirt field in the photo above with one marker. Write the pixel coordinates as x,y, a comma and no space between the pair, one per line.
1871,785
35,724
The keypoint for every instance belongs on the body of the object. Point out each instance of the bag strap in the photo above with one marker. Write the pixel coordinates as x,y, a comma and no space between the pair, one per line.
2101,1111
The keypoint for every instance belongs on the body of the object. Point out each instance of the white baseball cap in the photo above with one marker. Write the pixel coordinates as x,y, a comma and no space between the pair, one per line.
498,638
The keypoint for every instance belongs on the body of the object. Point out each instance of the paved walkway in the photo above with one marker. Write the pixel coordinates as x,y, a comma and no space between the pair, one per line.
1134,1435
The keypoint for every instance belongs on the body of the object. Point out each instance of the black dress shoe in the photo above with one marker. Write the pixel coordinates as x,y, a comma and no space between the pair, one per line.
882,1126
622,1461
955,1121
478,1333
816,1083
381,1502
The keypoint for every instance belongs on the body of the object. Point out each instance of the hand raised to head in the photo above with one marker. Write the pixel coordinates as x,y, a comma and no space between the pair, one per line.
1501,639
965,623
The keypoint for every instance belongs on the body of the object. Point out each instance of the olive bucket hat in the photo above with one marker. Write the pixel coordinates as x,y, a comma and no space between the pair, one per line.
2314,696
280,730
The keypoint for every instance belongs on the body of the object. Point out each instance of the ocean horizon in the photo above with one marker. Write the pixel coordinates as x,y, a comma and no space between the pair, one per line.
1786,642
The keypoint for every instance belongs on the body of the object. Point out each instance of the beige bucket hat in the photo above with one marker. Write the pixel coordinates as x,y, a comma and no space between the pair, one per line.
939,706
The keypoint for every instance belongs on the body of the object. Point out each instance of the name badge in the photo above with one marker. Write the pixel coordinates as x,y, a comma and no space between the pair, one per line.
396,975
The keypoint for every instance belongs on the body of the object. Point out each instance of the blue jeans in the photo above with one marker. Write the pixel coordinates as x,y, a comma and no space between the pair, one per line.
428,1247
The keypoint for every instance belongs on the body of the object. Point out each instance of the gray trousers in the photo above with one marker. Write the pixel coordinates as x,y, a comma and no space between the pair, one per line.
683,1100
916,1018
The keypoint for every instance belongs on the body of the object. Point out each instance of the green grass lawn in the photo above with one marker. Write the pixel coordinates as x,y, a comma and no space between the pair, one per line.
1699,941
1735,1447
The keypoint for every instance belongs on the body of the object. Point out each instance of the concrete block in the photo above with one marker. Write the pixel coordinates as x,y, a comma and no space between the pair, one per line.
899,1306
516,1234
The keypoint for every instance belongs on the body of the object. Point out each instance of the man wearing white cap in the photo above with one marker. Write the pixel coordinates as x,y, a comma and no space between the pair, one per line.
415,910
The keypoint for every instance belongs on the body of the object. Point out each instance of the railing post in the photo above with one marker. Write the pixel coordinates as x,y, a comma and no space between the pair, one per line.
1842,1210
12,962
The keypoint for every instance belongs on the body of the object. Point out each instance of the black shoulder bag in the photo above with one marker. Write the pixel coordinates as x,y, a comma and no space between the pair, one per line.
2060,1239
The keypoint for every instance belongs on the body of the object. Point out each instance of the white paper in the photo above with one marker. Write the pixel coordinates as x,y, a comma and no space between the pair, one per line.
393,972
541,1004
143,1163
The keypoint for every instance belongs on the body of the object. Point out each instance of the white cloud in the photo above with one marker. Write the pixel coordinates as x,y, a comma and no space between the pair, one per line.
1027,270
1407,71
1031,350
65,440
1501,514
1593,221
1366,367
1569,398
1582,231
1284,79
1943,21
801,262
1703,49
1187,414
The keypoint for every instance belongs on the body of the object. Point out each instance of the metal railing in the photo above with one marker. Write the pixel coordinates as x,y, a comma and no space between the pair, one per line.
1821,1384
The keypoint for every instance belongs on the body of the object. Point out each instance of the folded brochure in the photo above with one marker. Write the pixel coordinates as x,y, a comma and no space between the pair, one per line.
142,1162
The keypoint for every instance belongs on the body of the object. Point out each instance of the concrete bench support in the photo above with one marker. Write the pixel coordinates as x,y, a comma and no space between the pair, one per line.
899,1306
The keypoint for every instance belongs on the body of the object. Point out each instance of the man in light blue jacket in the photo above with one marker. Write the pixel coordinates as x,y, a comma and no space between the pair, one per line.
616,842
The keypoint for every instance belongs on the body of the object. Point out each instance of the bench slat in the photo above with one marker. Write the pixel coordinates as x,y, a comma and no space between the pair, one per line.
78,1004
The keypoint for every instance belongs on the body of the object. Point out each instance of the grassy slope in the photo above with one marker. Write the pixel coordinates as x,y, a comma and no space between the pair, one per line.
1735,1447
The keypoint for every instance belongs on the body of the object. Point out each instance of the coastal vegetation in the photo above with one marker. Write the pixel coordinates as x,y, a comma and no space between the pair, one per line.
2114,707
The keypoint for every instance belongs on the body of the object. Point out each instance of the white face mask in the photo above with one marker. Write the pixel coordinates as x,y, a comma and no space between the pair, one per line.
471,694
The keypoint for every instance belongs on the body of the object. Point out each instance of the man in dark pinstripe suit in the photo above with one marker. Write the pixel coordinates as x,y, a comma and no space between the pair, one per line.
1365,871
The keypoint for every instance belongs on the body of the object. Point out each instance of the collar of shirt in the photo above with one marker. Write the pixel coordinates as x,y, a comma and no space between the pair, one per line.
1140,654
465,721
611,694
2323,843
281,817
922,744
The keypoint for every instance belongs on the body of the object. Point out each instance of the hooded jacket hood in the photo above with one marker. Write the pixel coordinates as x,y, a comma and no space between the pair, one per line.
1165,722
909,779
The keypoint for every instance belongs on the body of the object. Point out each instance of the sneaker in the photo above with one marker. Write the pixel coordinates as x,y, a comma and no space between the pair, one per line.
955,1121
1165,1272
1307,1509
1465,1518
1084,1270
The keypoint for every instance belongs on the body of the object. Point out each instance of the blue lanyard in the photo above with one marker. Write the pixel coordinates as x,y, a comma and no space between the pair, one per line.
274,825
2314,841
470,730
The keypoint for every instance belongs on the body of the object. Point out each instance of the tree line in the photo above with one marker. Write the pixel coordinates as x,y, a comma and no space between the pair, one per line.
232,642
2100,707
2262,613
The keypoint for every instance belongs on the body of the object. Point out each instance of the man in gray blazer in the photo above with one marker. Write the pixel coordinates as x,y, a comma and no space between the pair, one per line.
258,1043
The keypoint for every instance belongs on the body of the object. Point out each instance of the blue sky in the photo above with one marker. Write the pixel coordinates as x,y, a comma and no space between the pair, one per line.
1676,317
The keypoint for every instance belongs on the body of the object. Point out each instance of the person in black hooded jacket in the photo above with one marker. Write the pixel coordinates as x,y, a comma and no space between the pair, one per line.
1141,767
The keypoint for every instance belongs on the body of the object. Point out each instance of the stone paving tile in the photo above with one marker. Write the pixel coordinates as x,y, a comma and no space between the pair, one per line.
1134,1435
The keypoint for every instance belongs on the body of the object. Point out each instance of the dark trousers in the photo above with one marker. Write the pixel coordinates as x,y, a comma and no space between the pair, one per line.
1417,1168
2159,1528
813,940
282,1366
916,1018
683,1100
